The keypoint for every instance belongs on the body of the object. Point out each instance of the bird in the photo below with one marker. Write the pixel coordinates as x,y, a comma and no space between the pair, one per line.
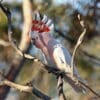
54,52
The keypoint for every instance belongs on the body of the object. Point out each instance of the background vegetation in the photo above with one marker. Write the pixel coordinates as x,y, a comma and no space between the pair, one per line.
67,30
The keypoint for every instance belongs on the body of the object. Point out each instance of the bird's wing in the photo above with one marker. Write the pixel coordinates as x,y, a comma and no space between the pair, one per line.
62,58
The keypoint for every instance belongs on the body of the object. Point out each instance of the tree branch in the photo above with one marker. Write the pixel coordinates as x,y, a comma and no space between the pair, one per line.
23,88
13,41
92,59
60,88
18,61
57,72
4,43
79,41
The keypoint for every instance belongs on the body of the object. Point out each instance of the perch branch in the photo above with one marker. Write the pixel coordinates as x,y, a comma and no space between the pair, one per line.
57,72
60,88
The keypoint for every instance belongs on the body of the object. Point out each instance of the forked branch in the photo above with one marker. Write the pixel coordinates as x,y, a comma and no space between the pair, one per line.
23,88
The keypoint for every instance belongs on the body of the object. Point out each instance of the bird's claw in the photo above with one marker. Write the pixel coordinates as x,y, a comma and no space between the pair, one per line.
60,73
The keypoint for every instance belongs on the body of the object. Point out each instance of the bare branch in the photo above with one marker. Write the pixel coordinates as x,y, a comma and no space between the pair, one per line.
60,88
81,37
67,37
89,89
23,88
58,72
79,41
91,57
4,43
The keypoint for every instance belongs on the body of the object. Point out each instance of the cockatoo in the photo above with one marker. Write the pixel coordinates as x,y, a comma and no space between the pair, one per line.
55,53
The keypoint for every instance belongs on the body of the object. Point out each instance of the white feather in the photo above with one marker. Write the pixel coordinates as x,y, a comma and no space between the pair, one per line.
60,59
49,22
51,26
44,19
38,16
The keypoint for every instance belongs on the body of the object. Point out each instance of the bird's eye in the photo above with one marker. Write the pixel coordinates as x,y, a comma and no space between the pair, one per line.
33,40
37,38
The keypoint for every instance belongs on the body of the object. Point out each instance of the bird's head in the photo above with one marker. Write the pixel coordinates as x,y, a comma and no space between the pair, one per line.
40,24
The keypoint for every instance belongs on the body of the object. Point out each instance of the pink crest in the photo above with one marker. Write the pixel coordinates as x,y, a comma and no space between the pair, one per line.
39,26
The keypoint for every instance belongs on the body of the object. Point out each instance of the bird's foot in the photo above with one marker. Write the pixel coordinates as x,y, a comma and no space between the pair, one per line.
60,73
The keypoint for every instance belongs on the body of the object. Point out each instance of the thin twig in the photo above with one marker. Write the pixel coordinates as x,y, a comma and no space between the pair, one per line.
92,59
67,37
89,89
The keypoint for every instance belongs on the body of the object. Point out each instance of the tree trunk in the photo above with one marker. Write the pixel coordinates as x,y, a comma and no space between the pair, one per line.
18,61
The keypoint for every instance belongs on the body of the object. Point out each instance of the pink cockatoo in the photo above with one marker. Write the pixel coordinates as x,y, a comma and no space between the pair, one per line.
55,53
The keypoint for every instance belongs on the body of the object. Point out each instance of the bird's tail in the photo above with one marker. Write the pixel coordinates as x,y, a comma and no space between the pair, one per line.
74,81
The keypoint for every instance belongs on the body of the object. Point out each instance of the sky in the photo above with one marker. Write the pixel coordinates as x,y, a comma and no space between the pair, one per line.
55,1
76,4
